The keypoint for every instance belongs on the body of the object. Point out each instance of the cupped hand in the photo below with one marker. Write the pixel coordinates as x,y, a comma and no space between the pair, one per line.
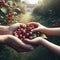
34,42
39,26
15,43
13,27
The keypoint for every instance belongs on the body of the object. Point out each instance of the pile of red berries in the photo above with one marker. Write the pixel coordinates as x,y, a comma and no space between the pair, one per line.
25,32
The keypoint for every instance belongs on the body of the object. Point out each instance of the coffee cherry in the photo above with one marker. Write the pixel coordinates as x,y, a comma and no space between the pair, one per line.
23,37
30,33
6,5
15,34
25,32
30,37
18,32
20,35
14,4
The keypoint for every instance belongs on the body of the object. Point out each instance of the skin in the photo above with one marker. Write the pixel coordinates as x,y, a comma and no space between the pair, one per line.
7,38
47,31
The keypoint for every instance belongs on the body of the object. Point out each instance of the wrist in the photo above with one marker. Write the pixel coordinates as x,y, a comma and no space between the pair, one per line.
3,38
45,43
3,30
44,30
41,40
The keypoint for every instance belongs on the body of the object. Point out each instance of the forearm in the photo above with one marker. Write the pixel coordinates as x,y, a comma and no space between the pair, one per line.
54,48
3,30
51,31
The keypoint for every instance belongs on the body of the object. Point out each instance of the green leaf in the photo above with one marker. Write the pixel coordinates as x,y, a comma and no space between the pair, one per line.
44,36
4,10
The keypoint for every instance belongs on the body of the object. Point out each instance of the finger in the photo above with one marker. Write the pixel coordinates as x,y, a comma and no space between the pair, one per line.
24,45
16,43
35,24
29,41
19,48
14,26
22,50
34,30
23,24
27,46
25,50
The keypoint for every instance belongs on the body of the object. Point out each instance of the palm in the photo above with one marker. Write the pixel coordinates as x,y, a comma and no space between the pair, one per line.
13,27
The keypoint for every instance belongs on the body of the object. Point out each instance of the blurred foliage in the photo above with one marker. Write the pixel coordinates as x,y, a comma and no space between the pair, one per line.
45,13
22,6
7,14
48,8
48,12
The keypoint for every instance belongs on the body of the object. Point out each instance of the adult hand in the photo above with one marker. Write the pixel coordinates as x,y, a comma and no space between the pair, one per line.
13,27
15,43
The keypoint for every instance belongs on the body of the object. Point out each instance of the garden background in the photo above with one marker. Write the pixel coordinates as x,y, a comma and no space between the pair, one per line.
46,13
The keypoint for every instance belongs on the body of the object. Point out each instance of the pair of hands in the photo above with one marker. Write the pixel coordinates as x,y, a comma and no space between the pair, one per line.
18,44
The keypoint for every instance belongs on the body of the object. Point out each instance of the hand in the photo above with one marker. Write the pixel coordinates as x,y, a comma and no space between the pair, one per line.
13,27
39,26
35,42
15,43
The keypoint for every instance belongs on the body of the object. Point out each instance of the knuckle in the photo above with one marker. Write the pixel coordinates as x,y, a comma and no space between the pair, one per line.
9,36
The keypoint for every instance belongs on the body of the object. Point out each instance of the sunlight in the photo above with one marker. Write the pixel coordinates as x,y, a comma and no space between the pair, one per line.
32,1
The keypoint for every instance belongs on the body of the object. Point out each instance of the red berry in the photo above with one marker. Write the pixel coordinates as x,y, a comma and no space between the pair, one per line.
30,33
18,29
38,32
22,30
14,4
23,37
10,14
21,26
30,25
27,34
20,35
6,5
30,28
30,37
18,32
15,34
8,18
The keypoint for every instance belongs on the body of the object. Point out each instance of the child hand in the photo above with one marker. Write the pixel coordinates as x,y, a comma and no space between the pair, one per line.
39,26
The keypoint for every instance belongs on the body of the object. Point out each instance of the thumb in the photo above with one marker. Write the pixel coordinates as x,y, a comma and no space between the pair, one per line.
29,41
